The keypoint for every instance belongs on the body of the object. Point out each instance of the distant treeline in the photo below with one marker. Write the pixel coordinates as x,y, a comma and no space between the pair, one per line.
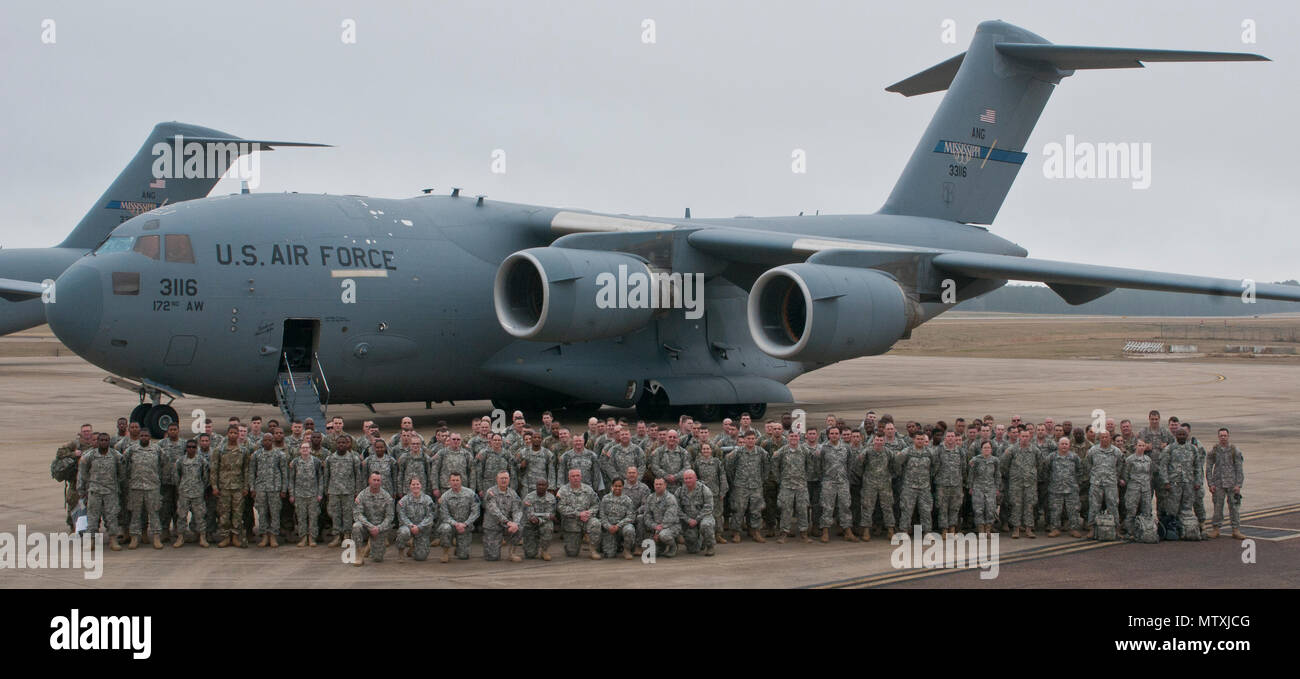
1038,299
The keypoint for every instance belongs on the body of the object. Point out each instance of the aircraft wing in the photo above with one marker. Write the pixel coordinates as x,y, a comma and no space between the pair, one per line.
16,291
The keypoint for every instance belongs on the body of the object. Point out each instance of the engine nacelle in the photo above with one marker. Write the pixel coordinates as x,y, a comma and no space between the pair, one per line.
822,314
559,294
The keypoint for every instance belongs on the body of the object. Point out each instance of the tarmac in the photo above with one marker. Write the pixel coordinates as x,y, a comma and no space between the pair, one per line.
44,399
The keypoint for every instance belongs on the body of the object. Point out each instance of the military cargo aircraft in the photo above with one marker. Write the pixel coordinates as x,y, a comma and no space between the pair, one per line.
135,191
306,300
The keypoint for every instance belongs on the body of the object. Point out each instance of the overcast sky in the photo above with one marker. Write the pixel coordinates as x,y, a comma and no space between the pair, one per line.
707,116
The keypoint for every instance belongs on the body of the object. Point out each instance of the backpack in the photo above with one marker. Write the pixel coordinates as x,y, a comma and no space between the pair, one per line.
1169,527
1105,525
1145,529
64,468
1191,526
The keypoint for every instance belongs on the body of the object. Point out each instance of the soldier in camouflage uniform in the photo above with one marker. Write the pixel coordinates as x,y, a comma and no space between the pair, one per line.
711,472
917,469
1198,490
834,458
578,507
950,479
1182,477
671,461
172,448
1022,459
877,465
416,464
230,473
616,524
455,459
1137,477
270,485
661,519
637,491
191,473
306,489
67,460
1102,470
416,514
695,504
503,512
1158,438
539,521
985,483
747,470
491,461
373,517
343,481
583,460
143,464
381,463
99,482
1225,473
458,510
793,463
1063,471
618,457
534,463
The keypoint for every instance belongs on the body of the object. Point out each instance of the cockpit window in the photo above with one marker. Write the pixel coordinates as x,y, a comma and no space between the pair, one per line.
178,248
147,246
115,244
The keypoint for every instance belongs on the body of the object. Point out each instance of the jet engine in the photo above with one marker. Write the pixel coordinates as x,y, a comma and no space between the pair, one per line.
569,295
821,314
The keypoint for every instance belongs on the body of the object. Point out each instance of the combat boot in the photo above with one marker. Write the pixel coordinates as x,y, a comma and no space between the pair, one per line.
514,557
736,538
546,556
1029,532
1015,533
781,540
157,541
238,541
180,540
595,553
365,551
708,551
1074,533
826,535
446,555
303,541
311,541
717,537
804,535
1236,534
866,535
135,542
1092,532
264,538
627,552
1053,533
1214,532
112,544
359,559
337,539
203,540
849,536
273,542
757,535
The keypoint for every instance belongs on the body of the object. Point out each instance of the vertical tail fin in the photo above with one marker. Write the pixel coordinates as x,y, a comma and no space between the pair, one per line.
136,190
968,157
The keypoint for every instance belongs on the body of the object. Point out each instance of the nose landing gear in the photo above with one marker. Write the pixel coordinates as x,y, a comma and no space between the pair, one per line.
152,413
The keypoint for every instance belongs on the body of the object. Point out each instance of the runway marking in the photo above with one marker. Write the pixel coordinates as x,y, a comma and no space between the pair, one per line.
1277,534
1033,553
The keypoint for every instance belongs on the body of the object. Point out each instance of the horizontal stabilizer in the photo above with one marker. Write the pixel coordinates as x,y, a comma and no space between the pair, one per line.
1067,277
934,79
17,291
1076,57
262,143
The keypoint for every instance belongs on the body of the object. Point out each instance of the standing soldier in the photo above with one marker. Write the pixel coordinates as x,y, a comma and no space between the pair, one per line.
1063,470
1138,474
99,482
491,461
582,460
534,463
618,457
636,490
877,465
713,474
671,461
1198,491
985,480
381,463
230,471
172,449
918,470
1181,475
695,502
270,486
343,481
661,517
950,478
1102,467
539,521
306,488
812,444
747,468
415,464
578,506
456,459
834,458
416,513
502,514
67,460
143,463
458,510
793,463
1022,458
1225,473
373,514
615,525
191,472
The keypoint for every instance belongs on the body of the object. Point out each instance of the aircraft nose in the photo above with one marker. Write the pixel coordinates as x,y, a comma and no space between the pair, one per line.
77,308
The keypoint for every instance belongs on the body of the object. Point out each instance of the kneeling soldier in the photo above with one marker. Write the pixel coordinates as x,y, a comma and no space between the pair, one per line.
416,513
372,518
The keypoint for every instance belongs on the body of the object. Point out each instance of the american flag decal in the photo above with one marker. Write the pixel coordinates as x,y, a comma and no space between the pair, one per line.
989,116
159,183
